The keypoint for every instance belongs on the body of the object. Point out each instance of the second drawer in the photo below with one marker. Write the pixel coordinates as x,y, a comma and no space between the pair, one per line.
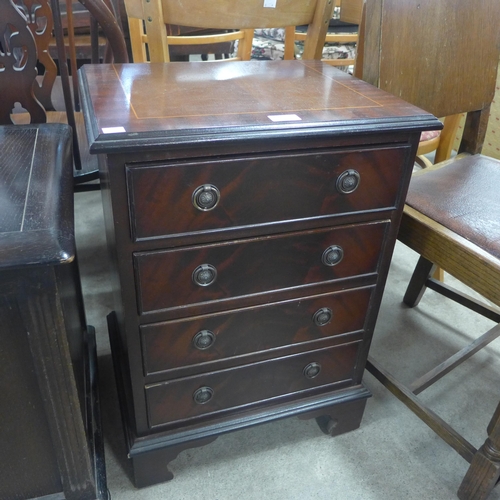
220,272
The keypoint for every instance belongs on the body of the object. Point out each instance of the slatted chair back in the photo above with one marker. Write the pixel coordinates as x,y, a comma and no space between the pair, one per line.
149,39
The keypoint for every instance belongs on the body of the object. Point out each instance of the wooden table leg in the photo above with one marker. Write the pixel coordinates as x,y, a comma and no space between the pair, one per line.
484,470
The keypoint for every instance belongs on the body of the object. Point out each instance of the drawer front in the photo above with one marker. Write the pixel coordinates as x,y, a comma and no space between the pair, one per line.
208,339
207,273
228,389
259,190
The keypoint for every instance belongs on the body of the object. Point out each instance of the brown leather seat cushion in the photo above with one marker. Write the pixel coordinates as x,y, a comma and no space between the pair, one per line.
463,196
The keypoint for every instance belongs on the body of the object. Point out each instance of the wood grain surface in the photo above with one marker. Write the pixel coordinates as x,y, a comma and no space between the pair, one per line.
35,224
260,189
255,266
185,102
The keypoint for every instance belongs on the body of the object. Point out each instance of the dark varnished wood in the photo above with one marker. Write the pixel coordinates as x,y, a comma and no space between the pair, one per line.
40,23
260,190
341,418
249,384
170,99
24,473
49,422
152,468
169,345
185,125
18,60
151,465
26,28
257,266
484,472
35,228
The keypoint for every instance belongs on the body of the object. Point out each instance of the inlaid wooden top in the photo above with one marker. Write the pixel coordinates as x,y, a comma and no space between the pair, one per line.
181,101
36,195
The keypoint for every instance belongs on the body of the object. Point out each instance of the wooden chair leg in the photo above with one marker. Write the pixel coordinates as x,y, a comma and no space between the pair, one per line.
484,470
416,287
438,274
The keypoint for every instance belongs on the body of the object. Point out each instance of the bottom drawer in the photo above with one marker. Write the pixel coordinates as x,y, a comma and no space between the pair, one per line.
222,390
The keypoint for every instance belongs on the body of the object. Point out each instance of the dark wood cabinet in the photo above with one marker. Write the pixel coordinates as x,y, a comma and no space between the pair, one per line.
252,210
50,437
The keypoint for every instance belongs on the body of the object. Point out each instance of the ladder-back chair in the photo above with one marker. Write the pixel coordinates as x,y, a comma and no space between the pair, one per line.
149,39
446,64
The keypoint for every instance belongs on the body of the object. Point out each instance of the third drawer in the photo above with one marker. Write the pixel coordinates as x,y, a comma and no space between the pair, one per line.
208,340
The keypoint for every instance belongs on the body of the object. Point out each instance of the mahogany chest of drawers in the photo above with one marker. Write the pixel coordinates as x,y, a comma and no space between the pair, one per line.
251,211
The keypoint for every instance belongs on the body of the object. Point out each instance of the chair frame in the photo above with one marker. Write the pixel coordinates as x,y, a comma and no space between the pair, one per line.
468,262
36,98
147,20
350,12
461,92
103,16
442,144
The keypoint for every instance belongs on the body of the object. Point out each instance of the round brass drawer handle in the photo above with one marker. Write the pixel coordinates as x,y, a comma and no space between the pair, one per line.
204,275
204,339
203,395
332,255
312,370
323,316
348,181
206,197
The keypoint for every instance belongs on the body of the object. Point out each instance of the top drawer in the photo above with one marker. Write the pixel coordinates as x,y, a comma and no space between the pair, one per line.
189,197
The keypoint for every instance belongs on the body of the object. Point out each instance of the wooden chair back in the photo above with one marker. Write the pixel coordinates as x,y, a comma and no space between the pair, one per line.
350,12
149,39
18,60
26,32
81,32
440,55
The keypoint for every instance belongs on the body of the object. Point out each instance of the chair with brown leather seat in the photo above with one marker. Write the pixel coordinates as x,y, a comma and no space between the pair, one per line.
452,210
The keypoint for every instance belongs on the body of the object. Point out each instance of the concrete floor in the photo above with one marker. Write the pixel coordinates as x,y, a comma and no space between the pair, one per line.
392,456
